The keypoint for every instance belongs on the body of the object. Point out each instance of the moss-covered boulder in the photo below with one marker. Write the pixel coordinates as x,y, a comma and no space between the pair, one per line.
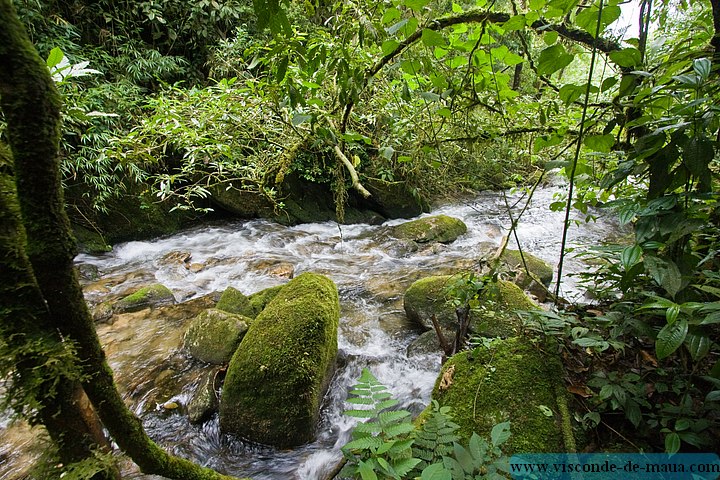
259,300
278,376
536,266
438,228
394,199
512,379
233,300
154,295
213,335
493,317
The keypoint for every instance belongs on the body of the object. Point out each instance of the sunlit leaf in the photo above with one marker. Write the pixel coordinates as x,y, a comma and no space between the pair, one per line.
553,59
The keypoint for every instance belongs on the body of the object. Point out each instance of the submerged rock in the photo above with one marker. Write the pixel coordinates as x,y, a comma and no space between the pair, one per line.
278,376
154,295
204,402
213,335
513,379
438,228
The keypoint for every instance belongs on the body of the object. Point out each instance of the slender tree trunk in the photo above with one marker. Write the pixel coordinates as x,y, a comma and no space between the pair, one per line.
32,111
30,344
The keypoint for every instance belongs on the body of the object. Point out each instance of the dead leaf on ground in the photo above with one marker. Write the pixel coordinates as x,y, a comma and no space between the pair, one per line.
581,390
447,378
649,358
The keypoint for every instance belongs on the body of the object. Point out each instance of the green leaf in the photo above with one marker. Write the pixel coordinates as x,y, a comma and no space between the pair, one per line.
570,92
364,443
515,23
630,256
608,83
672,443
429,96
390,15
702,67
416,5
550,37
500,433
389,46
396,27
600,143
553,59
431,38
670,338
588,18
698,345
627,57
281,69
436,471
55,57
300,118
366,471
402,467
665,272
697,155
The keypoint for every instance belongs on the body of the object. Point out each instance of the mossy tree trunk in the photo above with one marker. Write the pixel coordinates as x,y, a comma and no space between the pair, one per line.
51,396
31,106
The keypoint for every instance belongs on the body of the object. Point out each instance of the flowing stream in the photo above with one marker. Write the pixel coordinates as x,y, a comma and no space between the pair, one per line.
371,275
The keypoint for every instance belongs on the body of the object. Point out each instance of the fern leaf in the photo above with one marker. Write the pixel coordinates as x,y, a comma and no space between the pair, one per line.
388,418
399,429
404,466
364,443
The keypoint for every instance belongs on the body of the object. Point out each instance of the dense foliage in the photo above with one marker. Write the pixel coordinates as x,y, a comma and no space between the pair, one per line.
175,98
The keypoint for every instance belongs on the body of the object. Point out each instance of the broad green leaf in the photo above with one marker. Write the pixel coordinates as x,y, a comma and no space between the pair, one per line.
697,155
55,57
300,118
608,83
431,38
389,46
633,412
416,5
500,433
444,112
390,15
563,6
702,67
281,69
665,273
698,345
410,66
670,338
588,18
569,93
392,30
672,443
366,471
429,96
627,57
600,143
436,471
550,37
553,59
515,23
630,256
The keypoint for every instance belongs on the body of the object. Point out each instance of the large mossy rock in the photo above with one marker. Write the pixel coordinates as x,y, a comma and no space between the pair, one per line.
513,379
394,199
438,228
278,376
536,266
154,295
494,317
233,300
214,335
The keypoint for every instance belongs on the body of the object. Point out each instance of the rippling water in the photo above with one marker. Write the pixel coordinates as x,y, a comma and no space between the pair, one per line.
371,274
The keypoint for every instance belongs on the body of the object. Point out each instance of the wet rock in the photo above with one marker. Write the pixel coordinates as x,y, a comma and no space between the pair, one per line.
394,199
276,268
259,300
493,317
427,343
176,257
278,376
512,379
154,295
438,228
204,402
213,335
234,301
102,312
537,267
88,272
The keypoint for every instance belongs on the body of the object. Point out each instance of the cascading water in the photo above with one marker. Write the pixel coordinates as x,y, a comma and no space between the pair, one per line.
374,333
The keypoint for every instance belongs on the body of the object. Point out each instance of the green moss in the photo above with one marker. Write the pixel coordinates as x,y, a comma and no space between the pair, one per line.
234,301
439,228
89,241
537,267
259,300
513,379
493,317
394,199
213,335
278,375
151,296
